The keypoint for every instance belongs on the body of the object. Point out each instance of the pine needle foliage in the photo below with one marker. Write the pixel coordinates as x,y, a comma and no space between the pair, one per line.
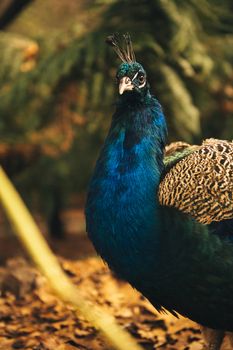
57,92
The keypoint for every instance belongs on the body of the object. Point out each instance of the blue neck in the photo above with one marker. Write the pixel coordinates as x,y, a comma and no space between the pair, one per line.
121,206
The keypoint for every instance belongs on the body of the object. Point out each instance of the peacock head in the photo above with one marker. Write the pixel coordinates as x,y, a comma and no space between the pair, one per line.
131,76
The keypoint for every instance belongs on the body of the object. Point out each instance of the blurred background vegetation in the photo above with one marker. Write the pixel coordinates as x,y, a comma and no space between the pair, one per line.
57,89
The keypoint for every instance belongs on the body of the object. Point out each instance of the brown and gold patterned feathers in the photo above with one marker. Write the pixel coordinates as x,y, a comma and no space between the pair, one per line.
200,181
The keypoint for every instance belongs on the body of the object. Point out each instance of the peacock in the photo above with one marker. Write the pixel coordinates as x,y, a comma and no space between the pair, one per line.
164,222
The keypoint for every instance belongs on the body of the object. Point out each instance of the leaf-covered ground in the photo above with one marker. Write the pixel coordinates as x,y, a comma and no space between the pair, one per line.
31,317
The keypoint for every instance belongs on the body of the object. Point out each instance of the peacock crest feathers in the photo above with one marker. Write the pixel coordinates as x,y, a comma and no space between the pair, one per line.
122,46
200,183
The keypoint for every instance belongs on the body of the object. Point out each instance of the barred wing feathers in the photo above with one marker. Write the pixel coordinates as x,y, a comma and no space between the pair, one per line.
200,182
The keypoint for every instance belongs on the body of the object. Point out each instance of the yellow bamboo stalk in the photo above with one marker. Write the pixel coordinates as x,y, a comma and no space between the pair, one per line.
38,249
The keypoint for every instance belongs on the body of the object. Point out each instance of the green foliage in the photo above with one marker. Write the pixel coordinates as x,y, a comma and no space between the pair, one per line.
57,91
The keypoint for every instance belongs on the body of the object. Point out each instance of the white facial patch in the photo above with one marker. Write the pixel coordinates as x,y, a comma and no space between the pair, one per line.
135,76
143,84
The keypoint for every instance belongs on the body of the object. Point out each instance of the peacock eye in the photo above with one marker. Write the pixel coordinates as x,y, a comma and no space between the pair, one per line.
141,78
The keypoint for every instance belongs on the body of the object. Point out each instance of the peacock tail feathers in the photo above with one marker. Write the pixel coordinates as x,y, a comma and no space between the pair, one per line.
199,180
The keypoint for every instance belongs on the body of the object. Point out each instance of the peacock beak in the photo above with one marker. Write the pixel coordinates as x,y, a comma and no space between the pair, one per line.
125,85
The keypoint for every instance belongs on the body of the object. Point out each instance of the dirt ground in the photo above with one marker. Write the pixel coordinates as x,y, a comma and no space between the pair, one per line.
31,317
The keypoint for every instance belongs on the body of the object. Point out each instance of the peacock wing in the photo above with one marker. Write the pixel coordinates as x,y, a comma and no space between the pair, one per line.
199,180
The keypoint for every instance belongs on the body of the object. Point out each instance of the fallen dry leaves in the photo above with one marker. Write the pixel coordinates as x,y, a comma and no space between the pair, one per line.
31,317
